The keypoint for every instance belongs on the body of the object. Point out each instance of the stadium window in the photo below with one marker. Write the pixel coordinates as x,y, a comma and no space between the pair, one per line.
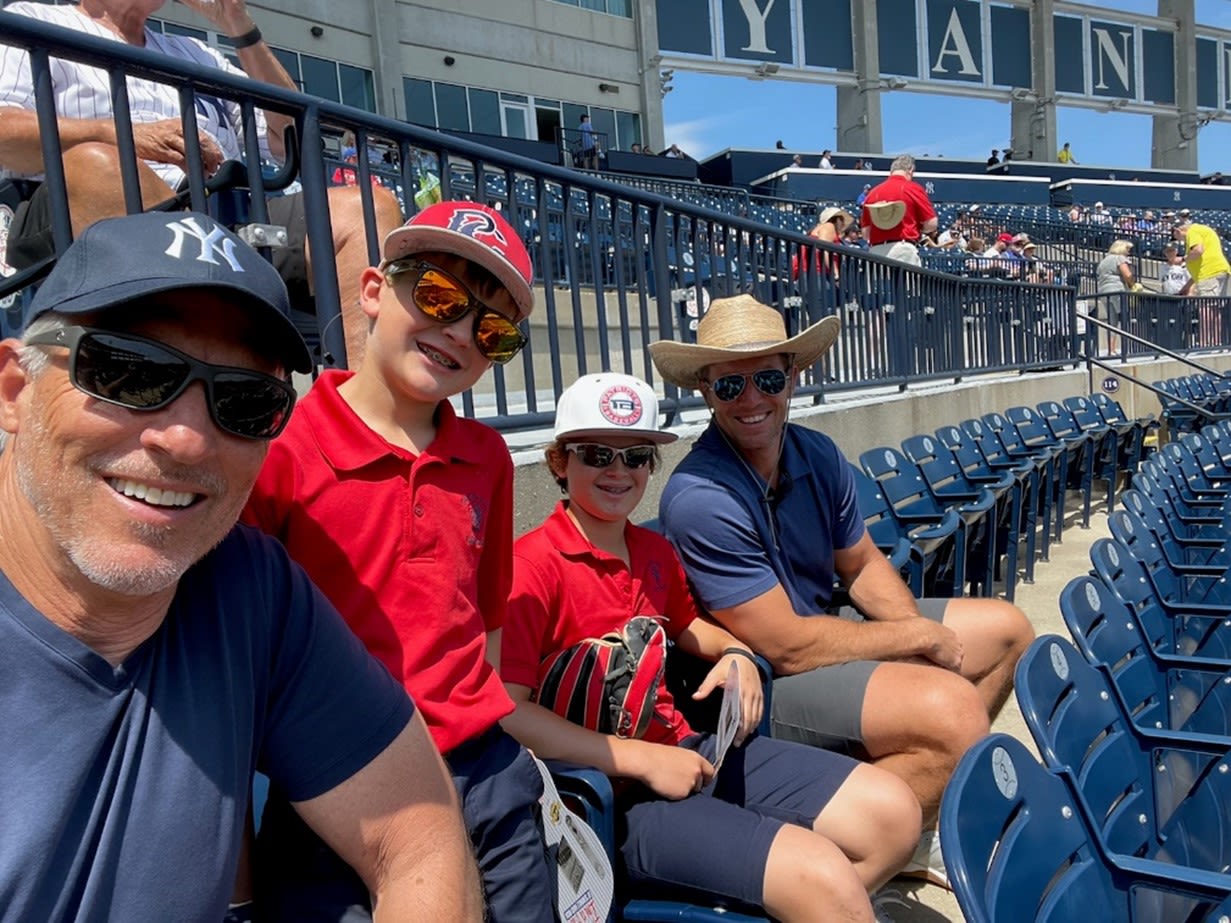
420,102
289,60
320,77
358,87
604,124
484,111
614,7
452,111
628,128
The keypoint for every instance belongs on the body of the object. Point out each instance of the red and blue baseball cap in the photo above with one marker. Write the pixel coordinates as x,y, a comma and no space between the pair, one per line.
118,261
476,233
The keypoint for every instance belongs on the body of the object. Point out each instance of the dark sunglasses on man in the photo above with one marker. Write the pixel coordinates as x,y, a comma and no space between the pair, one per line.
728,387
143,374
444,299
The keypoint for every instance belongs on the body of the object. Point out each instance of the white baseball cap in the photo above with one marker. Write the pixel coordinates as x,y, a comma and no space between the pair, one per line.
609,404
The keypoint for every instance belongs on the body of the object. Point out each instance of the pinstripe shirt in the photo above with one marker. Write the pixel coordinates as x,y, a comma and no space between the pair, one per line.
83,92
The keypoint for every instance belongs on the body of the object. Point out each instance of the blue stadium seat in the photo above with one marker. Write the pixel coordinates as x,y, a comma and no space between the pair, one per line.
995,430
1188,557
1162,691
947,480
1175,579
1019,850
1126,435
1151,795
1023,510
1077,466
1103,453
913,503
923,556
1171,626
1114,414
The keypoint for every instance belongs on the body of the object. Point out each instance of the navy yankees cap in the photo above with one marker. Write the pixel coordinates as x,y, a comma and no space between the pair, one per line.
117,261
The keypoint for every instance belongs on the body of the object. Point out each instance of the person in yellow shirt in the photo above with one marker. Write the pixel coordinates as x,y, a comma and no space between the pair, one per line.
1065,154
1210,271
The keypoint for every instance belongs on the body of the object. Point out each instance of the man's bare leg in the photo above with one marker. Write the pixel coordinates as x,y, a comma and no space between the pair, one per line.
350,247
95,190
994,635
917,721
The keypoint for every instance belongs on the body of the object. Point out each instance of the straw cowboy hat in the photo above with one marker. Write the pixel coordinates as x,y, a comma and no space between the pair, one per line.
834,212
739,328
886,215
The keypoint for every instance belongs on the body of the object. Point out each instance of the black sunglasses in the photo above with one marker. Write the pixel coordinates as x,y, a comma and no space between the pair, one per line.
729,387
595,455
143,374
446,300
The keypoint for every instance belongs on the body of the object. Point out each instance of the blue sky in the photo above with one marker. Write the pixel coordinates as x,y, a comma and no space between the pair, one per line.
705,114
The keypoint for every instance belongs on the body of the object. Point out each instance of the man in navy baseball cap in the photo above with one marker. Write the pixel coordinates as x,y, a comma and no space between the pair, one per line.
159,653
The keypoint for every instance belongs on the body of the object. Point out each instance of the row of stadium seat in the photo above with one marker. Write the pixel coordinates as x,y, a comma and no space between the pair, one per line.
950,509
1129,819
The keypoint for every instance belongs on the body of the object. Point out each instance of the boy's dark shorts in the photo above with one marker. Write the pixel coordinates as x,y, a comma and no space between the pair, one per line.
715,845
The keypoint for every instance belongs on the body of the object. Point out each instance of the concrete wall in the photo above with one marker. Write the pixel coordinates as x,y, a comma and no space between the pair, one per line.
857,424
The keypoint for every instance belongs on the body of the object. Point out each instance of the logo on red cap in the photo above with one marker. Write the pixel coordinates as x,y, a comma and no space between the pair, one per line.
620,405
477,224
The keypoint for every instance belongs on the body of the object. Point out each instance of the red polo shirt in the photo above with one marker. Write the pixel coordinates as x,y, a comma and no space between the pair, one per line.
415,551
565,590
897,188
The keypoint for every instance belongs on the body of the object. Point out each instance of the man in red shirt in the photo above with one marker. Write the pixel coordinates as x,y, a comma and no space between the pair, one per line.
897,213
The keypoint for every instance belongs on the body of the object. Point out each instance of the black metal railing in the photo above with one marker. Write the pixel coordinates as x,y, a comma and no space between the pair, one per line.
617,267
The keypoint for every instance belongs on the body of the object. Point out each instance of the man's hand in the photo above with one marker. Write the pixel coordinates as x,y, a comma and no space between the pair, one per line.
941,645
163,142
751,694
674,772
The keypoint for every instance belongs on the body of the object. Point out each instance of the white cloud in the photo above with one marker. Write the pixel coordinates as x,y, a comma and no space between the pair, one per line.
699,138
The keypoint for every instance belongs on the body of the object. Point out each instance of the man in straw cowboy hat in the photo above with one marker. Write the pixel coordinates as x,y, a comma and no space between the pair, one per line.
765,518
897,214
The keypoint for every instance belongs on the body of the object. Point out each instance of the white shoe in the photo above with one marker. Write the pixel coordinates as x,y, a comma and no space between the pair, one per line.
882,900
928,861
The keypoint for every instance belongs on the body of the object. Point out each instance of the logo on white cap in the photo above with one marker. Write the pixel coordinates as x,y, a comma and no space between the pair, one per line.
620,405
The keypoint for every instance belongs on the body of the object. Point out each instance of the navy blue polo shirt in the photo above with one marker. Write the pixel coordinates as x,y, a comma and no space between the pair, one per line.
124,790
736,543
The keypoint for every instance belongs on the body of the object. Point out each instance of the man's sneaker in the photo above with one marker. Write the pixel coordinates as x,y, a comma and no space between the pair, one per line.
882,900
928,862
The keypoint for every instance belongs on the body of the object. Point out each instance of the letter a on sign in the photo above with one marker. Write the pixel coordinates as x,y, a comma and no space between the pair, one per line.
955,43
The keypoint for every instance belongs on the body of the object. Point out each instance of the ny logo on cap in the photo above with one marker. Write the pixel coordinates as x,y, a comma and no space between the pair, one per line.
476,224
213,240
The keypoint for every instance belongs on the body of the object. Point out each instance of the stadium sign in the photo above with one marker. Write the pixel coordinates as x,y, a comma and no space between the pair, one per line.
1101,56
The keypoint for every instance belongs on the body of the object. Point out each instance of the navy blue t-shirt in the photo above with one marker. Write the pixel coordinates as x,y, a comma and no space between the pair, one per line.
736,543
123,791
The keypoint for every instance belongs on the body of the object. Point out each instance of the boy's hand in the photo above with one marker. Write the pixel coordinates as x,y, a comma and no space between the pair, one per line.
751,693
674,772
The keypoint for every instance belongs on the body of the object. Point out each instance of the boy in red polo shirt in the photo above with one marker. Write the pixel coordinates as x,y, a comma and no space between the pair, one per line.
401,512
801,833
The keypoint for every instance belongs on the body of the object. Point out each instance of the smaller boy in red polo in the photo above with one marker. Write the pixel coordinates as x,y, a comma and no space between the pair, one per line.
402,513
